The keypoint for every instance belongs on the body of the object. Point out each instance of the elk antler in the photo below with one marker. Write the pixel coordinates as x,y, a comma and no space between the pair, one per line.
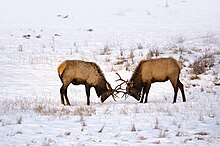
118,88
120,79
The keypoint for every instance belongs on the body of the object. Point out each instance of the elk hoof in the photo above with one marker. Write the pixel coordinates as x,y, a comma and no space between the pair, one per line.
68,104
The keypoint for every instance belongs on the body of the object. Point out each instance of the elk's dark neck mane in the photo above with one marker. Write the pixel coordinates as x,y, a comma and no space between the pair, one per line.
100,88
102,82
137,72
98,69
136,76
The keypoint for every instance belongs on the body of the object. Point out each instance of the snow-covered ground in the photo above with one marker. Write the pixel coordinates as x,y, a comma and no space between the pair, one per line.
36,36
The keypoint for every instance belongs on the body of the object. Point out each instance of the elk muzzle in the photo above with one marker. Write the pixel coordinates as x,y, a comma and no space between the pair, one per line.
105,95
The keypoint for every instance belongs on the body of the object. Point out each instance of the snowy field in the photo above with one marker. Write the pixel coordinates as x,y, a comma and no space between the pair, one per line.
36,36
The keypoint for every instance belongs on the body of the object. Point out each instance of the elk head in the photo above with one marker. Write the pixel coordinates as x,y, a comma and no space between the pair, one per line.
106,92
133,90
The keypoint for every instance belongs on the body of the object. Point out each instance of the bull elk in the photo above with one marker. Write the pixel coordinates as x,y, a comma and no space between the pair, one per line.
87,73
155,70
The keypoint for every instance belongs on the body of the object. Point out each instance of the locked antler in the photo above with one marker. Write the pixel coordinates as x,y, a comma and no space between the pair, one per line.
118,88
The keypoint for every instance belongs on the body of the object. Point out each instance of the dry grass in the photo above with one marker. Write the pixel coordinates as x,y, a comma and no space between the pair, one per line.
131,55
201,133
156,124
156,142
105,51
133,129
121,61
19,120
194,77
49,142
43,107
140,46
84,110
162,133
124,110
100,131
153,53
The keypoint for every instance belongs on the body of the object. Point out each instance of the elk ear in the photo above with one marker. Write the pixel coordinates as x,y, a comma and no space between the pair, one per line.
107,86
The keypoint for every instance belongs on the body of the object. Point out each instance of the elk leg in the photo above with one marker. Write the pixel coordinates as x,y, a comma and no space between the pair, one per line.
63,91
61,95
65,94
142,97
175,87
180,85
88,93
175,94
147,91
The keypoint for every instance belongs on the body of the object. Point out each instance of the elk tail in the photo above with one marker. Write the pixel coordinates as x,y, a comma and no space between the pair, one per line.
61,69
179,64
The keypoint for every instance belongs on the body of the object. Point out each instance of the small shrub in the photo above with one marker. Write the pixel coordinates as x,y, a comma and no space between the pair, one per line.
128,66
124,110
107,110
156,142
201,64
156,124
131,56
153,53
139,46
180,40
198,66
20,48
216,81
162,133
120,62
100,131
67,133
49,142
107,59
166,5
209,60
39,108
19,120
83,123
85,111
201,133
201,118
105,51
186,140
194,77
133,129
121,52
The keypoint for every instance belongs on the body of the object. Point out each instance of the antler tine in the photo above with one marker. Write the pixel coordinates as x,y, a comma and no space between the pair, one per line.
118,91
113,96
119,86
120,79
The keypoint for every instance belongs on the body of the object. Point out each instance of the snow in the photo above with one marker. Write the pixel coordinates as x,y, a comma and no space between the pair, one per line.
36,36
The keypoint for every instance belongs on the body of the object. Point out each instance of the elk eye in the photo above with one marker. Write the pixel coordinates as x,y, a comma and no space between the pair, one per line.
130,84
